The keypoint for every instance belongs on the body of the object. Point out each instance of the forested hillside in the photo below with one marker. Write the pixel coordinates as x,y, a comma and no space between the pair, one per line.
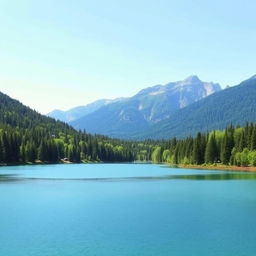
27,136
235,105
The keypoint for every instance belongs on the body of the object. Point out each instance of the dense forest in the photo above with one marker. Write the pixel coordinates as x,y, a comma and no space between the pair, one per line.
28,137
233,146
38,144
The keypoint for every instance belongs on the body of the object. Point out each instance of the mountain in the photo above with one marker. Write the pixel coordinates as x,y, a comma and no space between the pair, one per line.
80,111
149,106
234,105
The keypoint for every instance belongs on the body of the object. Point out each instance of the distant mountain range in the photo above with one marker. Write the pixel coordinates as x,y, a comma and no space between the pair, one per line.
126,117
80,111
177,109
235,105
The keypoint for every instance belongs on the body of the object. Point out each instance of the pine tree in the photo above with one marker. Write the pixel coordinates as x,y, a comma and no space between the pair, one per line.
242,142
198,149
2,150
211,150
253,139
42,151
226,148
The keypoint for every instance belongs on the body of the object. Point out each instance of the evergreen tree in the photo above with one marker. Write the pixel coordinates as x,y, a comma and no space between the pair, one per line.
211,150
253,139
198,149
226,148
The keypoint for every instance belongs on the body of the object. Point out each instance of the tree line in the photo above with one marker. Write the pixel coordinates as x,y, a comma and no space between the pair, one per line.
233,146
19,145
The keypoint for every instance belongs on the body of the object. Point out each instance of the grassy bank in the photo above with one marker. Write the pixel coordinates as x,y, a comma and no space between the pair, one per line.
219,167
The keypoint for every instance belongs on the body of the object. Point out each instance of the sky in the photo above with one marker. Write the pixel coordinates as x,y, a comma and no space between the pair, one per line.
60,54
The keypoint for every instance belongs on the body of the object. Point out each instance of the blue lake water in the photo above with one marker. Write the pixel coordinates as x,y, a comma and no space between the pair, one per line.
126,209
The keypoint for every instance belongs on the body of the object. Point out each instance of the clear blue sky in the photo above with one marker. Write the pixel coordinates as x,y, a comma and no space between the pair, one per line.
60,54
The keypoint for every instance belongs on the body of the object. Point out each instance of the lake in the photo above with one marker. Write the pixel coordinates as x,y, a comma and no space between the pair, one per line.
126,209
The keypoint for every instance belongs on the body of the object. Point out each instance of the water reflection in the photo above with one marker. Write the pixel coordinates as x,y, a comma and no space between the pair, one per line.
216,176
210,176
8,177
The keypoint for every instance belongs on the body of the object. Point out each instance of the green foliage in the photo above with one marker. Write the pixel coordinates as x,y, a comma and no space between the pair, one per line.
252,158
166,156
157,155
211,152
244,157
233,146
27,136
199,149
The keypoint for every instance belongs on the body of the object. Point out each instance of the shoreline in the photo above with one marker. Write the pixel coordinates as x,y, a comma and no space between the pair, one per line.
186,166
37,162
219,167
